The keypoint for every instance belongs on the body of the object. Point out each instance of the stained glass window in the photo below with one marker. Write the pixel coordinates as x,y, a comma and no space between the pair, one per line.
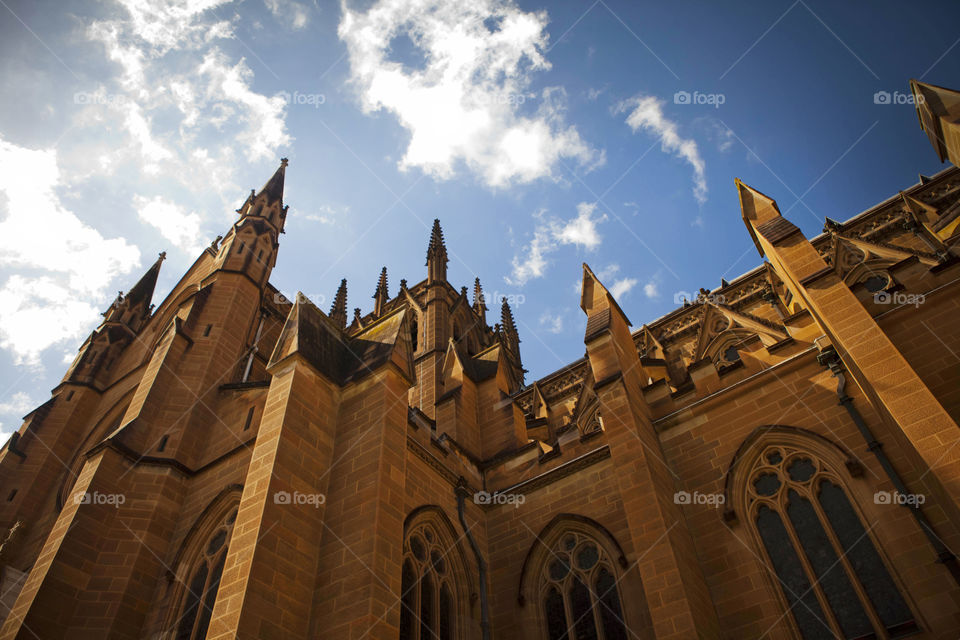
829,571
580,600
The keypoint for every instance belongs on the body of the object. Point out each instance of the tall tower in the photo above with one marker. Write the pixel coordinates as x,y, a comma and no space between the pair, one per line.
250,247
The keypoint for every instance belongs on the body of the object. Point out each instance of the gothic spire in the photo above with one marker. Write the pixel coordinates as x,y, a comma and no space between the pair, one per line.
436,255
133,308
338,311
479,304
273,190
381,295
143,290
268,202
509,326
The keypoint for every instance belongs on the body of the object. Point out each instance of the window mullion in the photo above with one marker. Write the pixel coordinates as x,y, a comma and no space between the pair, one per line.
435,623
416,601
841,554
568,606
805,562
200,599
595,603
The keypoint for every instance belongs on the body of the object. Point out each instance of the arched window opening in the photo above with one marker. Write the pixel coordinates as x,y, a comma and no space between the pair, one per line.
876,283
202,581
591,422
414,335
578,591
731,354
830,573
431,584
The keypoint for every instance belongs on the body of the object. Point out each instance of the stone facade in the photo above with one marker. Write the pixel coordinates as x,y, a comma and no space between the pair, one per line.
775,458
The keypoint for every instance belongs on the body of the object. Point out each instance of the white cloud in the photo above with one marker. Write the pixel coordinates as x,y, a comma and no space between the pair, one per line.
463,99
325,214
292,14
552,323
534,264
582,230
548,234
172,221
68,264
228,87
18,404
176,93
622,287
173,108
646,112
650,289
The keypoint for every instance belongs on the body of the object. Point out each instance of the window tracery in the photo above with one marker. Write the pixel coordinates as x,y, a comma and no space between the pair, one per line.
829,570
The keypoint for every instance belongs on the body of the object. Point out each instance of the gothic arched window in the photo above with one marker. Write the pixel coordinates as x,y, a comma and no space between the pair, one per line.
826,562
578,591
199,578
431,579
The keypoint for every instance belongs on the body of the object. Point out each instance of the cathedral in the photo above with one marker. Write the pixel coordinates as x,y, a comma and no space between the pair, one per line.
778,457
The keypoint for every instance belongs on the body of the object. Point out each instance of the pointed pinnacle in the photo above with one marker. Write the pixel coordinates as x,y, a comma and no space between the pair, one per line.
382,285
506,316
142,291
478,300
437,246
273,189
338,311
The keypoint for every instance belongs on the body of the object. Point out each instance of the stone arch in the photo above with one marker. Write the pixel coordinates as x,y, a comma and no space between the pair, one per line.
876,267
109,422
434,557
588,555
718,348
795,493
750,448
203,549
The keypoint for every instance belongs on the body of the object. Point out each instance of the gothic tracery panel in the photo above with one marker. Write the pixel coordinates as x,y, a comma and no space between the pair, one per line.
829,571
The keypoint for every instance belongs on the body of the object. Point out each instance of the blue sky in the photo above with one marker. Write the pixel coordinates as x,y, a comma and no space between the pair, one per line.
541,134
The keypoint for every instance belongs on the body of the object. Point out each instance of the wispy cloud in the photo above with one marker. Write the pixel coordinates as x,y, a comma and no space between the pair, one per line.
549,233
457,75
175,118
173,222
290,13
552,322
67,264
582,230
325,214
622,287
646,114
19,403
